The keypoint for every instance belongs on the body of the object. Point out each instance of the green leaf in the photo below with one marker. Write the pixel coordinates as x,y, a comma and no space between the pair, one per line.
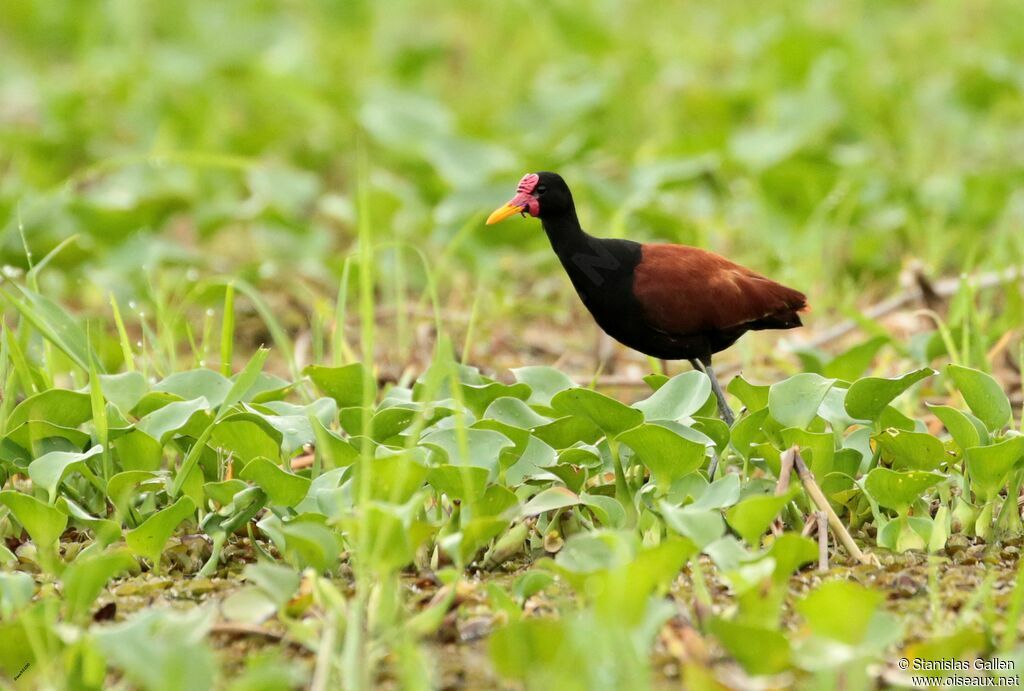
990,466
125,390
162,648
794,402
840,610
173,418
681,396
84,580
550,499
610,415
983,395
960,427
148,539
343,384
754,397
668,455
197,383
544,383
758,650
458,482
283,488
752,516
703,526
44,523
868,397
515,412
50,470
521,648
911,450
55,406
898,490
16,591
246,436
479,447
395,479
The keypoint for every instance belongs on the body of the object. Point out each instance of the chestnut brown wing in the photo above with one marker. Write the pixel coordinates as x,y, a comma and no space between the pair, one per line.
685,290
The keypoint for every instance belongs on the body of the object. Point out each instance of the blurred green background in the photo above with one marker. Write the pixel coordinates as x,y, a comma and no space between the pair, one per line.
822,142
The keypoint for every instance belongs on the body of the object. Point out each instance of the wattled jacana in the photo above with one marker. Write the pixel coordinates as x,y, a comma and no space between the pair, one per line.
668,301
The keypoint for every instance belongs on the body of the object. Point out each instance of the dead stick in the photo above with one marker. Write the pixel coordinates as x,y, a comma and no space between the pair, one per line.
833,520
822,541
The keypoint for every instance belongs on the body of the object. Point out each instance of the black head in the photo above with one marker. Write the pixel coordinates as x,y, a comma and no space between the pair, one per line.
543,195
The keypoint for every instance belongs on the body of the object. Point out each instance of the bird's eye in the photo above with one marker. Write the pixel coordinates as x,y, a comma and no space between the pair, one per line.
541,189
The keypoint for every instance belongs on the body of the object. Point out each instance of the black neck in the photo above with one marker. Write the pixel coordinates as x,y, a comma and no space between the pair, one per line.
565,234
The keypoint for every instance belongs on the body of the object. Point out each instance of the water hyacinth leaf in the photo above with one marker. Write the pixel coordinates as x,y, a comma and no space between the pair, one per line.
223,492
394,479
840,610
911,450
703,526
174,417
162,648
719,494
248,605
149,538
818,448
41,435
754,397
666,454
983,394
474,536
867,398
550,499
963,429
898,490
283,488
308,543
277,581
124,390
471,447
544,383
515,412
56,406
606,510
564,432
478,397
521,648
906,533
205,383
16,590
790,551
458,482
752,516
794,402
44,523
246,436
681,396
84,580
343,384
758,650
106,531
611,416
990,466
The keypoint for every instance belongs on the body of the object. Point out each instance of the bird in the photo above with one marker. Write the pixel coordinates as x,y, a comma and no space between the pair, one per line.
669,301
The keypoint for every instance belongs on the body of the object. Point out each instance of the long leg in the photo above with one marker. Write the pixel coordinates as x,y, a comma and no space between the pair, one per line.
723,406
